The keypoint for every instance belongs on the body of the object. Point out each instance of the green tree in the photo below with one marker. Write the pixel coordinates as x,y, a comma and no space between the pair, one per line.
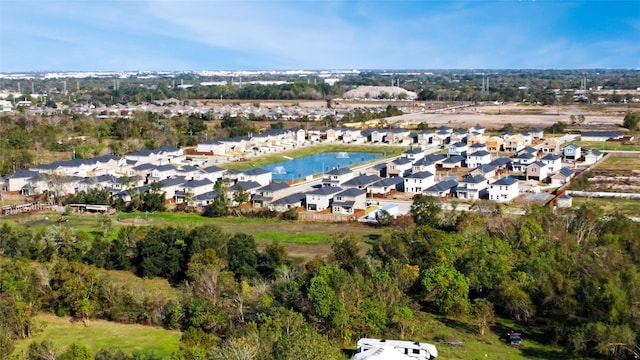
446,289
242,256
153,200
41,351
76,352
221,204
346,252
631,120
425,211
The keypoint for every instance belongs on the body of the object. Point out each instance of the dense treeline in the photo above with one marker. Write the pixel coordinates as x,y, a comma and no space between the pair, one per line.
573,273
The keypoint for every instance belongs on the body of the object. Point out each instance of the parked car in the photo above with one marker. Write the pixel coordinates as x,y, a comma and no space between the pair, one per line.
513,338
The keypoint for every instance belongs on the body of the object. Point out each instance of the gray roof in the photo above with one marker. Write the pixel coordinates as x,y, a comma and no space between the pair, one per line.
435,157
275,186
339,171
453,159
501,161
256,171
210,195
197,183
326,190
507,180
480,153
566,172
290,199
525,155
442,186
353,192
551,157
388,182
474,179
173,181
362,180
414,151
212,169
24,174
420,175
402,161
246,185
487,168
609,134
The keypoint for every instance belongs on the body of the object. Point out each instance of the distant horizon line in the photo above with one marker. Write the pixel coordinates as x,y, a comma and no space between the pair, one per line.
336,70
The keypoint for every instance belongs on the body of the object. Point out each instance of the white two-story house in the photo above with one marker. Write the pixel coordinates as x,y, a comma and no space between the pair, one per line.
504,189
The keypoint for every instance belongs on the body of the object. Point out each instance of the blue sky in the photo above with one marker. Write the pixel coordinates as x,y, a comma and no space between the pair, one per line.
114,35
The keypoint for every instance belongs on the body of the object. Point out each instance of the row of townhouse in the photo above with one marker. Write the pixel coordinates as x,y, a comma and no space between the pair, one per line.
267,139
442,135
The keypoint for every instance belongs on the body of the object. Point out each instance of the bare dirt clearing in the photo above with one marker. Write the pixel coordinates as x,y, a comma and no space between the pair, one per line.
519,116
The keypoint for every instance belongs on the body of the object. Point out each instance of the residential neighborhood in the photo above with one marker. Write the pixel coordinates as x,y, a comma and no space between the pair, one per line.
447,164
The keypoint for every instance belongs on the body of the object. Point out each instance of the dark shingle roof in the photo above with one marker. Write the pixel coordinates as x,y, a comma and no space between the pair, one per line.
326,190
442,186
507,180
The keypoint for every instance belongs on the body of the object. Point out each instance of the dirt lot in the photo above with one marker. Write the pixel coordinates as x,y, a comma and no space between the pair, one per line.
520,116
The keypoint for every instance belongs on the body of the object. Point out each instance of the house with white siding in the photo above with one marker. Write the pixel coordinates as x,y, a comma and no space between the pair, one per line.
417,182
212,146
591,156
553,161
385,186
446,188
478,158
472,187
457,148
504,190
337,177
572,151
399,167
269,193
414,154
321,198
346,202
562,177
259,175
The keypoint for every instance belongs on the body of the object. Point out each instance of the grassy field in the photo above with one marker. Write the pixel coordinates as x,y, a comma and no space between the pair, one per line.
469,345
301,239
608,145
618,162
311,150
609,205
100,334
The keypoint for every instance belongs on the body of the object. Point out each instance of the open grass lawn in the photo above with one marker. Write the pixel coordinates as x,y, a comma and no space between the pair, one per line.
609,145
609,205
619,162
311,150
468,344
100,334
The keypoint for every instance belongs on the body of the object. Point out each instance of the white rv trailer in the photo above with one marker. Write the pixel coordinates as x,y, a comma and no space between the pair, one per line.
367,347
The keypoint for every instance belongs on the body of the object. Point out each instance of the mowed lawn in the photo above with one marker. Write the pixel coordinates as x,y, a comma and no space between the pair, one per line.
608,145
620,162
101,334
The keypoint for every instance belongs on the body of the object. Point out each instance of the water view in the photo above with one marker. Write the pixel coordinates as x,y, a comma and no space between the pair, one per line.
295,169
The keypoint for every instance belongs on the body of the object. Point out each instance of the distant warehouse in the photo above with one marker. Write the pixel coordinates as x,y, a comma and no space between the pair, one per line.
600,135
